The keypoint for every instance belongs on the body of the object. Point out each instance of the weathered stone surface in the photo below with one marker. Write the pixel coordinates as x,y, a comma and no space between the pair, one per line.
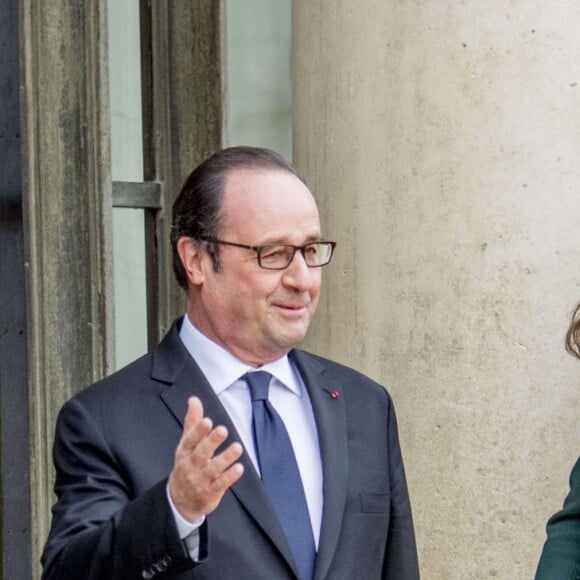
441,141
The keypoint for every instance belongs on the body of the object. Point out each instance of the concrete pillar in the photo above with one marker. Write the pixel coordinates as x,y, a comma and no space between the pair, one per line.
67,209
441,141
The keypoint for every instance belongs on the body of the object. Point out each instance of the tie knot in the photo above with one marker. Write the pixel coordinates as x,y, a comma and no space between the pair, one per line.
259,383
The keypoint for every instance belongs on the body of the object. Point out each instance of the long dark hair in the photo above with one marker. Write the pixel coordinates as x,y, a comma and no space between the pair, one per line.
573,334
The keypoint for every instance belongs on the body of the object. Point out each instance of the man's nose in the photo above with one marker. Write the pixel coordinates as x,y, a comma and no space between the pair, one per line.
298,274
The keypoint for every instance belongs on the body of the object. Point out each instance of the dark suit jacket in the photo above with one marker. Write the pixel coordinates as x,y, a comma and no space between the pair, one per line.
114,448
561,555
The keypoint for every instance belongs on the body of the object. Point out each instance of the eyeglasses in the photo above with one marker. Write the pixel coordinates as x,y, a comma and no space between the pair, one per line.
279,256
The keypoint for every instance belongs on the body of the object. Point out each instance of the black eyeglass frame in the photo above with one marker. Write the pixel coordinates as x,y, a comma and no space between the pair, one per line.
260,249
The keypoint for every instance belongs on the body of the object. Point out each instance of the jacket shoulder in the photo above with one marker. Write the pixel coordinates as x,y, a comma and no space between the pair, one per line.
150,373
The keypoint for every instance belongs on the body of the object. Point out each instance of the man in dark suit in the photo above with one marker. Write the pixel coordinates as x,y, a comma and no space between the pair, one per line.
227,453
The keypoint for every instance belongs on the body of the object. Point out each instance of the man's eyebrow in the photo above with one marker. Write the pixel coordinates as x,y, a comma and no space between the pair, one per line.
285,242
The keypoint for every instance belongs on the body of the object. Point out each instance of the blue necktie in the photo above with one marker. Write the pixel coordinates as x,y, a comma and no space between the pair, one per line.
280,474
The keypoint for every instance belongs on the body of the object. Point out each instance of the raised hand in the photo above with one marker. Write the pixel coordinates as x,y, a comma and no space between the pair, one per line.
200,478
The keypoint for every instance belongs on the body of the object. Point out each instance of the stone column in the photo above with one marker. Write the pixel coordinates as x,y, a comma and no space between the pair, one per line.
67,192
441,141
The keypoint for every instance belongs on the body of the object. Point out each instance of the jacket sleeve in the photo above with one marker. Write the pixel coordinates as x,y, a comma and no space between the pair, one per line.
560,558
99,531
401,551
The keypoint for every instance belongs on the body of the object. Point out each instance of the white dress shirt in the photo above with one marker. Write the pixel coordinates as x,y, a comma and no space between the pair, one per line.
287,395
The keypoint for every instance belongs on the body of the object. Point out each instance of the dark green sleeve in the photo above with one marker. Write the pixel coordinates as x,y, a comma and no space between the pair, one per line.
560,558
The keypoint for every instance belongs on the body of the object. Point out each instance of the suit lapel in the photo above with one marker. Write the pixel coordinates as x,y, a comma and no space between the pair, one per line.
330,416
174,366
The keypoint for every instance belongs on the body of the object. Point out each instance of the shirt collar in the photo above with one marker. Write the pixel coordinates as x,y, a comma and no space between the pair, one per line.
222,369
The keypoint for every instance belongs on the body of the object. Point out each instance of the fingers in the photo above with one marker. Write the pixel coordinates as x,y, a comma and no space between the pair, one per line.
222,470
194,413
195,426
200,477
226,479
207,446
214,467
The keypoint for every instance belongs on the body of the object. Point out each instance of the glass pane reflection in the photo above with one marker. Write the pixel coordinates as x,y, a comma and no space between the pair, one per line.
259,39
127,165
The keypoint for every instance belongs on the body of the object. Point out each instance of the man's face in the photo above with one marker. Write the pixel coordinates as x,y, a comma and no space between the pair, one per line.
257,314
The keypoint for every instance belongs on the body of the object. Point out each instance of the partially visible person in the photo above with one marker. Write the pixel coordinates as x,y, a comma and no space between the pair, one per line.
560,558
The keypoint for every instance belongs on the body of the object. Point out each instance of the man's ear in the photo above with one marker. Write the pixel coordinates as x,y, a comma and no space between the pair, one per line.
191,257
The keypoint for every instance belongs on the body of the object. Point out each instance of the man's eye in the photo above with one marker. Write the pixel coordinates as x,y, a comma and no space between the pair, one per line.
274,252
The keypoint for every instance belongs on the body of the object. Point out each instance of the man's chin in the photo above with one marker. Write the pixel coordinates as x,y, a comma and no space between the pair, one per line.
291,339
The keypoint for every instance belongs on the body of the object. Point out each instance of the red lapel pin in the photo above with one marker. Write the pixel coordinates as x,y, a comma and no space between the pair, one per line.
335,394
